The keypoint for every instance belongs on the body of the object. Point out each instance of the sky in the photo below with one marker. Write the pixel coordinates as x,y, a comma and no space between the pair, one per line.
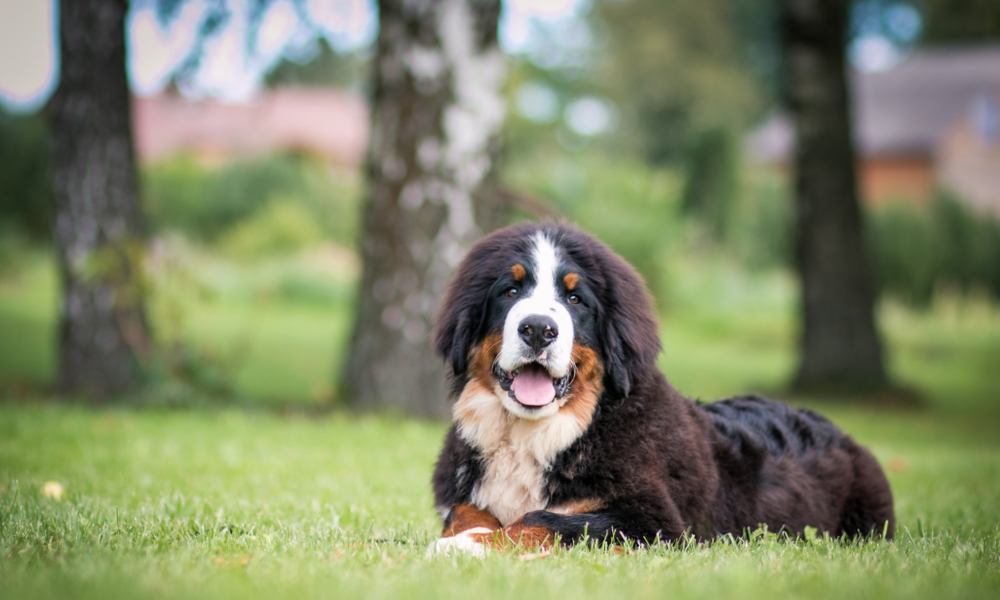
28,56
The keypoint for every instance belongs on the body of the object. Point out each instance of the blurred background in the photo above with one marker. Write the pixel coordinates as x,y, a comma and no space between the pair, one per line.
259,203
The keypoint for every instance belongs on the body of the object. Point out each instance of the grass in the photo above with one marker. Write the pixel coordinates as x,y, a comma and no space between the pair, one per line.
225,502
211,503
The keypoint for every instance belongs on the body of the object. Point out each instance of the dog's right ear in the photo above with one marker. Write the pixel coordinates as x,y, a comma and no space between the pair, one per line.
454,335
463,310
462,317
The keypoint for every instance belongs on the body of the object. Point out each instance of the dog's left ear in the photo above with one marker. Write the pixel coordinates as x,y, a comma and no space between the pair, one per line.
630,339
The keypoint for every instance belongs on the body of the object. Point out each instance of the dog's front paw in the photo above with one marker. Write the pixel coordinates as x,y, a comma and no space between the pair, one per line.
471,541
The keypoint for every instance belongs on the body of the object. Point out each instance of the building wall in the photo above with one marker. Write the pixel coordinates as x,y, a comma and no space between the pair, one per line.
969,167
906,179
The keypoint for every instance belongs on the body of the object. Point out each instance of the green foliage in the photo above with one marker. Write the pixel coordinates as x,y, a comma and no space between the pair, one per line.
206,203
762,224
919,251
26,201
711,187
959,21
632,208
321,65
280,227
676,69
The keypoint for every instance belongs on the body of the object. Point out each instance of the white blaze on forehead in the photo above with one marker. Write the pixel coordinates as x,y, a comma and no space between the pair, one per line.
546,266
543,299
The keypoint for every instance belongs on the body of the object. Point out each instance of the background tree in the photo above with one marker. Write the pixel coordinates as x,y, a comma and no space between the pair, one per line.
688,79
840,346
678,69
320,66
437,110
961,21
98,225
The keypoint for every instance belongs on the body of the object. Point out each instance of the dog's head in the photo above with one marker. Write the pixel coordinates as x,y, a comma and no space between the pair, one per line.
542,314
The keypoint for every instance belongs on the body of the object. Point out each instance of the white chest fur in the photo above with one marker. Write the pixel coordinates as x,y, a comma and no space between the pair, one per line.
516,452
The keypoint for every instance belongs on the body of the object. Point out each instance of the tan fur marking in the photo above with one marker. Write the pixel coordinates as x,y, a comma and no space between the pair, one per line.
518,271
587,385
575,507
571,279
465,517
518,451
527,536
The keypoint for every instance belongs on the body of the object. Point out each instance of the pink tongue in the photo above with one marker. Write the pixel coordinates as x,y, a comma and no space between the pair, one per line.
533,388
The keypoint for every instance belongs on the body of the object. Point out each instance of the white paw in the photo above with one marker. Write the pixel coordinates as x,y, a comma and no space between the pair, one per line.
464,542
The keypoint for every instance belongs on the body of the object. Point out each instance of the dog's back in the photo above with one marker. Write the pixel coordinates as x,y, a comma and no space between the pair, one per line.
790,468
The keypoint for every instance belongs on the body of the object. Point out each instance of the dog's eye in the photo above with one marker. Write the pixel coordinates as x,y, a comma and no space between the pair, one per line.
573,299
512,292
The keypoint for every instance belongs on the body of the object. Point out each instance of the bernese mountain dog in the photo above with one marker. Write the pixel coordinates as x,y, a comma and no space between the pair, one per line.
565,430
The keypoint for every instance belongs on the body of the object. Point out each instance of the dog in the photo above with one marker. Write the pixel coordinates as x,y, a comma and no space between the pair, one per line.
565,430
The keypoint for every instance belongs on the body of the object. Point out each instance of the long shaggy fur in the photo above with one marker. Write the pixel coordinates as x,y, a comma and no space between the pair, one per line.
627,455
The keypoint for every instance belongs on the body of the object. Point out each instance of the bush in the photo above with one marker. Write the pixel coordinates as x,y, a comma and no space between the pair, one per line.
761,231
204,203
711,186
26,202
917,251
279,228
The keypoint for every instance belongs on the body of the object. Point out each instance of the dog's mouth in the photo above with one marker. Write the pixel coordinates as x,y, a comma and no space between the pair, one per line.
531,385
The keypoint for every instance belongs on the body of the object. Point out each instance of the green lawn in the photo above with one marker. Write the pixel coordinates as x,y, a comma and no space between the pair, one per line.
225,502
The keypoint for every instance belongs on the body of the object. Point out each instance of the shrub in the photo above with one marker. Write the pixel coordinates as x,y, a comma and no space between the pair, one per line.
280,227
711,180
26,202
919,250
915,251
203,202
761,230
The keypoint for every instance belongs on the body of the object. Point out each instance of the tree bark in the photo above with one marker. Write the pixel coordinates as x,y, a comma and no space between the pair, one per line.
839,345
98,224
437,112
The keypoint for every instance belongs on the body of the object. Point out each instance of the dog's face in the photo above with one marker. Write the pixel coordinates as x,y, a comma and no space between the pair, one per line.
541,315
541,308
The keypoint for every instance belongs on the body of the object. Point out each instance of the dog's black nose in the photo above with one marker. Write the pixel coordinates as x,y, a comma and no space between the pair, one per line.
538,331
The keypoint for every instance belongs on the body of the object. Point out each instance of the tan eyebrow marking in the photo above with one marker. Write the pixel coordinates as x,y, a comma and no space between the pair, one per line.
571,279
518,271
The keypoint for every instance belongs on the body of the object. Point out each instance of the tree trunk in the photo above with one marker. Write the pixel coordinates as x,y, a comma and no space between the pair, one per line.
98,225
437,111
840,346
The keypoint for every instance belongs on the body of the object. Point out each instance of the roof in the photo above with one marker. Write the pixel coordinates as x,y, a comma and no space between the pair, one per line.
327,122
906,110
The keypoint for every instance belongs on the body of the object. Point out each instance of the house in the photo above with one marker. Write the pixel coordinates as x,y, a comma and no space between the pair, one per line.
323,122
931,122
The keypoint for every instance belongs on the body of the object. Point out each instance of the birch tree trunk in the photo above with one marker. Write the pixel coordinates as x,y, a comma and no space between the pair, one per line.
98,226
437,112
839,345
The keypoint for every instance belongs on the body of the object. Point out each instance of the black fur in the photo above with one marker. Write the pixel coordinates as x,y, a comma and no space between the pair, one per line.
660,464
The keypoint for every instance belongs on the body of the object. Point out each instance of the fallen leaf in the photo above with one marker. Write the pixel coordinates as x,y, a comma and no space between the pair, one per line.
239,561
534,555
898,464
